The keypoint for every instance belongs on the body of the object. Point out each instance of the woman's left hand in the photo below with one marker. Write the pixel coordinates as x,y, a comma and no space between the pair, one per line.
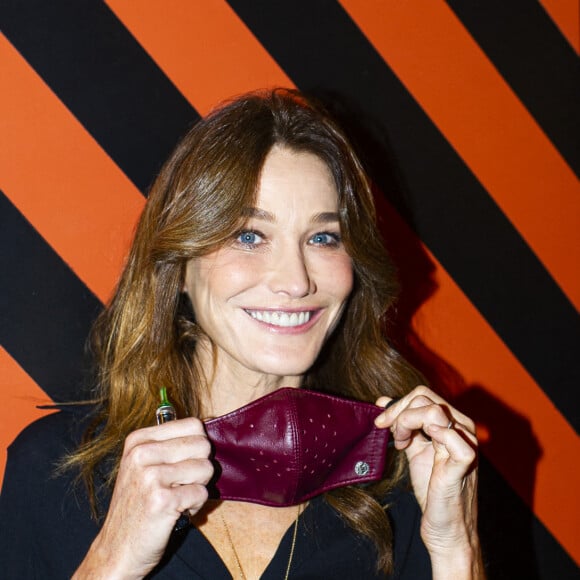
441,449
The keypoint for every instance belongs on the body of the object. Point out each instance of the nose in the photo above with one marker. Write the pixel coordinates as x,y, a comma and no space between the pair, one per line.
290,273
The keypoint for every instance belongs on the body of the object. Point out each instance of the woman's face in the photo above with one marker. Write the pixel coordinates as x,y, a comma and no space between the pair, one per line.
270,297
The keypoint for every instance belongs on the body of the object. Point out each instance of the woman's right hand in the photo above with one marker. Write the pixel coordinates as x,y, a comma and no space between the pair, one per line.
163,472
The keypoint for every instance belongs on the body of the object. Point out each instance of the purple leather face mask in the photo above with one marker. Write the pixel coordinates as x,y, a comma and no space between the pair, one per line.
294,444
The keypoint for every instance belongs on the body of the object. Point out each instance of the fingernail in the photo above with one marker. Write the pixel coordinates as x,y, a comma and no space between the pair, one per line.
380,421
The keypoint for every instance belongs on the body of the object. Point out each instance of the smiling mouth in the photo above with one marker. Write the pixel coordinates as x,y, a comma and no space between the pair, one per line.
283,319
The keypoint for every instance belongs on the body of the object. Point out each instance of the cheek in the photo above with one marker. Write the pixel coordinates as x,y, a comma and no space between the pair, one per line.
214,283
339,277
234,277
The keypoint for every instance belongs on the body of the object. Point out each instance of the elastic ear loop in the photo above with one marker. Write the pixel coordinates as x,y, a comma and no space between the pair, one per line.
391,442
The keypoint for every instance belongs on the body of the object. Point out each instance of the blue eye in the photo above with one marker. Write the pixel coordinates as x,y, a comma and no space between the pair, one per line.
249,238
325,239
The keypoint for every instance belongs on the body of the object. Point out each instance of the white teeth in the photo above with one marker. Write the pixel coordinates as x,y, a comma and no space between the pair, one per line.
280,318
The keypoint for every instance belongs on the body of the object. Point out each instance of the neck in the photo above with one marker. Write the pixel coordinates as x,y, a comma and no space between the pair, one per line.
231,386
227,396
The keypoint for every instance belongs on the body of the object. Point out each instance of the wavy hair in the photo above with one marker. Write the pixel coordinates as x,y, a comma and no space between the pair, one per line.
145,338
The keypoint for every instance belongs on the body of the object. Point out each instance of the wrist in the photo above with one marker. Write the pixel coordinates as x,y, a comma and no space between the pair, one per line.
464,562
100,564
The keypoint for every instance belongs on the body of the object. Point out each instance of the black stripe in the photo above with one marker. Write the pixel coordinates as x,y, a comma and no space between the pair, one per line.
537,62
321,49
104,77
515,543
45,310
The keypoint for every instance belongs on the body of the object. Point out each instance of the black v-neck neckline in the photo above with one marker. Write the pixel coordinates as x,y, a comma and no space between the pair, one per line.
199,555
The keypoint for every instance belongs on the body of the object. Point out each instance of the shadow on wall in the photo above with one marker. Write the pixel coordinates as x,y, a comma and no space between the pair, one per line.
506,523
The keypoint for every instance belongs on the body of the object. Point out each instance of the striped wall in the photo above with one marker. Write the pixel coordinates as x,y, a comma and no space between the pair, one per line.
476,103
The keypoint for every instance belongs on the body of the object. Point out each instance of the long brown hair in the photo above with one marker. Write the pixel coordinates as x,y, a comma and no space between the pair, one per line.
146,336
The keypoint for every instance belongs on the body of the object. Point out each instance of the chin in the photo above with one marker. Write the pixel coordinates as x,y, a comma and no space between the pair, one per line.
285,368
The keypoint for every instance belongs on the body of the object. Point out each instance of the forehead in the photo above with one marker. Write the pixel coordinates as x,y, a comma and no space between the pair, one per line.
296,178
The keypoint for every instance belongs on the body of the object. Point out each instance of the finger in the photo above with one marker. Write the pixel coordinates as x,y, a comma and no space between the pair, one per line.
452,449
417,395
174,501
421,392
414,419
463,430
421,411
190,471
168,451
385,402
394,407
386,418
191,498
169,430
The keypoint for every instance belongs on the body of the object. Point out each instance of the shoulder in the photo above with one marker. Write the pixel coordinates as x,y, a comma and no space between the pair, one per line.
41,445
46,525
66,425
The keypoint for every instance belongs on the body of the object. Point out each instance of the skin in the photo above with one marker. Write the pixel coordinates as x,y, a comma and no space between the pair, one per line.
286,259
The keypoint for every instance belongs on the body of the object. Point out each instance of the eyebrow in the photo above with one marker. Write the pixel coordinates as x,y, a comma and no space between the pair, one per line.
261,214
326,217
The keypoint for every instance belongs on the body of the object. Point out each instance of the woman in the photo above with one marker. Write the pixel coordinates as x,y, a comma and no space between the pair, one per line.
256,265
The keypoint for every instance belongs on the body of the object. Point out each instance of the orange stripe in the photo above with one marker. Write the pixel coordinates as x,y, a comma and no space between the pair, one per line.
566,16
19,401
521,431
458,87
203,47
60,178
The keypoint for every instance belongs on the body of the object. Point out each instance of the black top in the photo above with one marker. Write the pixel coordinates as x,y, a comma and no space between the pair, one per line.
46,529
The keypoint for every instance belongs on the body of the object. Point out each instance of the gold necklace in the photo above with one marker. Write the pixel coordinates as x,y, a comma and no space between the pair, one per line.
239,564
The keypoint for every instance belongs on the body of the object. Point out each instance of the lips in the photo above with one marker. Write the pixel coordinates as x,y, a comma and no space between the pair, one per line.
281,318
